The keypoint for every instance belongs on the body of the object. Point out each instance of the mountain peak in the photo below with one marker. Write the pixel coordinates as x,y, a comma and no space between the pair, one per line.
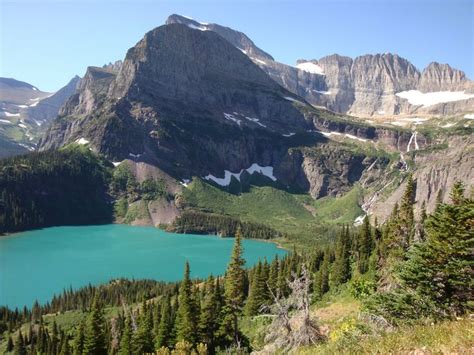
236,38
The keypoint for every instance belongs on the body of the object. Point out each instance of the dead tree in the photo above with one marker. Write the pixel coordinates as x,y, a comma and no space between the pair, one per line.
293,326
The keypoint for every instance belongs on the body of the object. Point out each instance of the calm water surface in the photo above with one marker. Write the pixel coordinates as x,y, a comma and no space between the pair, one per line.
38,264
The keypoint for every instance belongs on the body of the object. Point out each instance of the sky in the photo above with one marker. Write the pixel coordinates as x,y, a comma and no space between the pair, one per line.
46,43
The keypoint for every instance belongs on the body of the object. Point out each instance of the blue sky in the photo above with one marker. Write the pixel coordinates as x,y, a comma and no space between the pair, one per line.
48,42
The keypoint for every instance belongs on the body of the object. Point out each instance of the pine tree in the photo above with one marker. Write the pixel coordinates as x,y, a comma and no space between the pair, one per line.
273,275
321,280
54,338
19,348
209,312
233,294
65,350
163,338
126,338
142,339
364,246
185,317
78,343
9,343
440,269
341,271
256,298
94,333
407,218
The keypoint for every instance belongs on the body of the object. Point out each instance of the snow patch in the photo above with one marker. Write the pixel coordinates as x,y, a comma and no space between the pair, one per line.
5,121
347,135
82,141
289,134
259,61
322,92
359,220
225,181
22,125
21,106
200,28
310,68
292,99
469,116
134,155
231,117
9,114
116,163
185,182
425,99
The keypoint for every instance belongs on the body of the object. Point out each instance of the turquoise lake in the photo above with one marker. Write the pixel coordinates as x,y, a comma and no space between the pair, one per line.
38,264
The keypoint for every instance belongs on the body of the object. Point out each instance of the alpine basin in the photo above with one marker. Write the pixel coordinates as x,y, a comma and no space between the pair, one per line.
37,264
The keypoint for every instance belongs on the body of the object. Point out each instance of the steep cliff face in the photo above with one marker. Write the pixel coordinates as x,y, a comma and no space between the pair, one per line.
198,108
441,77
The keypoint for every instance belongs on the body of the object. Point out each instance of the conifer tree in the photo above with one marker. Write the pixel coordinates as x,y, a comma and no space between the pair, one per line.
440,269
341,271
256,298
142,339
185,317
9,347
273,275
364,246
407,219
126,338
19,348
321,280
65,350
233,294
163,338
208,317
94,332
78,343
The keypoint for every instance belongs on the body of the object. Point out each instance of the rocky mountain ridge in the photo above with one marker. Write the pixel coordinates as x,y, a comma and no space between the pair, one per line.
382,85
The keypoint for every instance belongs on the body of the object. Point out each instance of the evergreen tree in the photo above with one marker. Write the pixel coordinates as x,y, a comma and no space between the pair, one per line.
185,317
94,333
163,338
142,339
273,275
19,348
441,268
341,271
78,343
364,246
9,343
256,298
126,338
208,318
407,219
233,294
321,281
65,350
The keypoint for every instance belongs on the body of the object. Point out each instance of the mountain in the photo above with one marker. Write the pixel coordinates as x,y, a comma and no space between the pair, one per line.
384,85
25,112
187,104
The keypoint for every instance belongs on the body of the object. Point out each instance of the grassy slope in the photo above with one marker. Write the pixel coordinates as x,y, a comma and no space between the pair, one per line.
297,215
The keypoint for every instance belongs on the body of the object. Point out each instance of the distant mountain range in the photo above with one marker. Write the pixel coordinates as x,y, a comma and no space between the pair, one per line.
369,85
25,113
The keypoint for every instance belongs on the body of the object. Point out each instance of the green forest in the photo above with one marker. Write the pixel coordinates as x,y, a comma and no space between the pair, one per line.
410,275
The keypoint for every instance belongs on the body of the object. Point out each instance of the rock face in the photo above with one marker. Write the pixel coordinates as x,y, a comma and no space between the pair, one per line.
198,108
365,86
